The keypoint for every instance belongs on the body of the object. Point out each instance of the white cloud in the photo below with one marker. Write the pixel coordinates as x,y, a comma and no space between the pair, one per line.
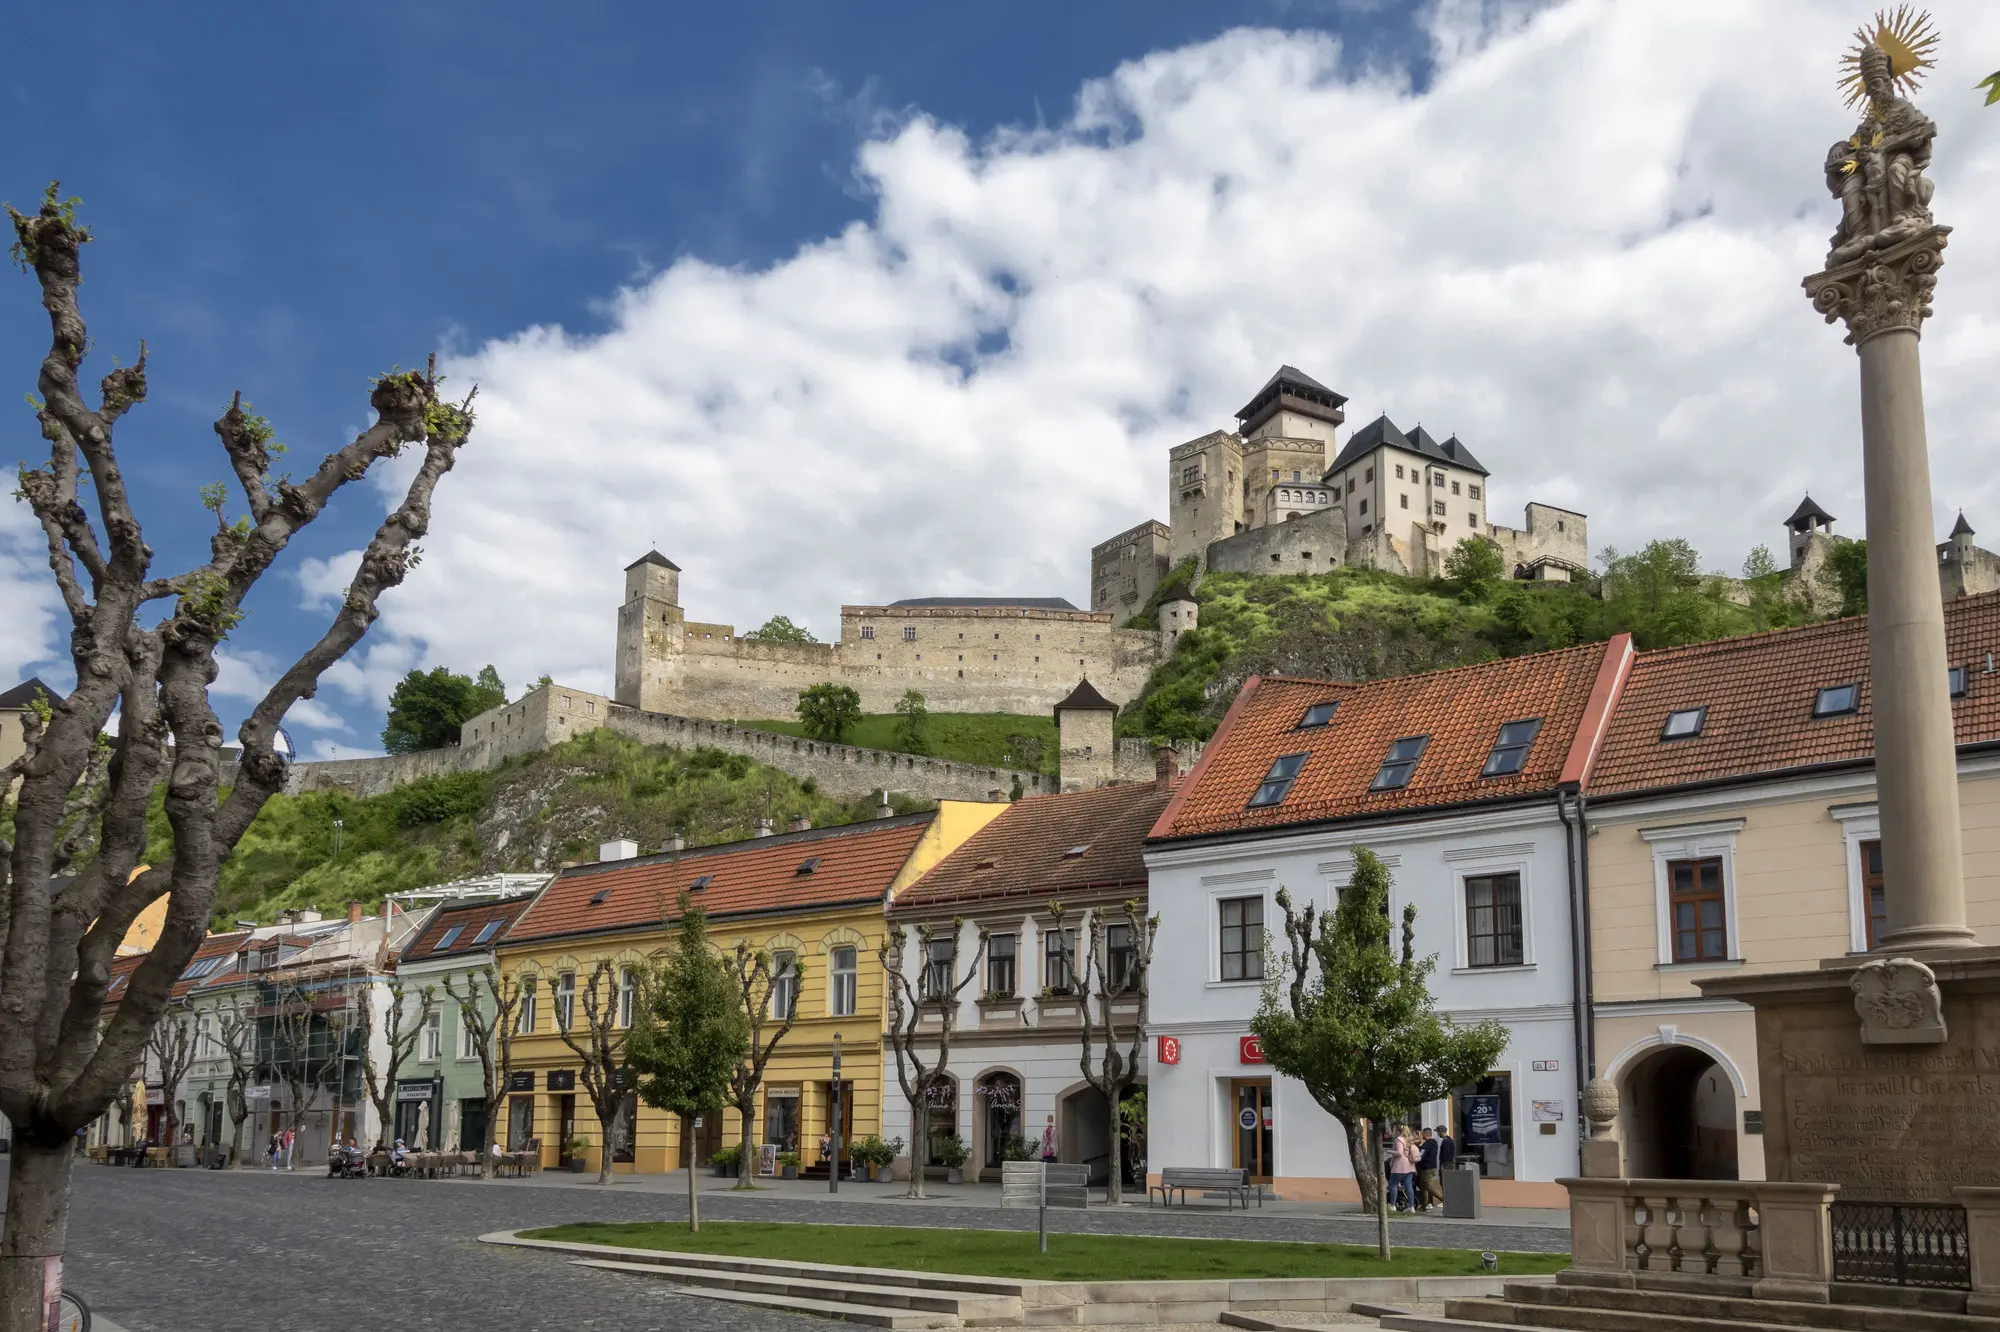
30,607
246,674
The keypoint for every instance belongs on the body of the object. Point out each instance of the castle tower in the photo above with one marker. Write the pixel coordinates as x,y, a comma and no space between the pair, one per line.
1084,730
649,631
1962,549
1177,614
1807,521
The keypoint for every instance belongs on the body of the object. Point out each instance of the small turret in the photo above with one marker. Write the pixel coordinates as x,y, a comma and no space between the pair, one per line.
1084,736
1962,549
653,575
1807,521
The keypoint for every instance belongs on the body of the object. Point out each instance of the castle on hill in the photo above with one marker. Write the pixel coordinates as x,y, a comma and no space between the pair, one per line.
1279,495
1964,567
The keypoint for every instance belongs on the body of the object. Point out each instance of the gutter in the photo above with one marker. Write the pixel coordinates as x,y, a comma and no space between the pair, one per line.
1576,840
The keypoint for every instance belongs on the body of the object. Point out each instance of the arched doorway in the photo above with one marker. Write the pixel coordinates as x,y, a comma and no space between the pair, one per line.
1084,1129
998,1097
1679,1108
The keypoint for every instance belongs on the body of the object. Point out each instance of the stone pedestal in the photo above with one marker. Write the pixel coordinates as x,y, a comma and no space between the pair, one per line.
1895,1122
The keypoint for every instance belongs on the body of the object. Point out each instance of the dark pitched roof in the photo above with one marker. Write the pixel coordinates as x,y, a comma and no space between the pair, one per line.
1031,603
220,948
24,693
1085,698
1808,509
1759,692
1292,382
653,557
1382,432
1461,712
1028,850
1961,527
855,862
473,917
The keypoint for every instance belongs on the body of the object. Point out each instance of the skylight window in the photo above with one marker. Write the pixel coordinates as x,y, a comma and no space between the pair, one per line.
1277,783
196,970
1401,764
808,865
1684,723
1319,714
487,931
701,883
1076,852
1837,700
449,938
1959,680
1510,751
600,897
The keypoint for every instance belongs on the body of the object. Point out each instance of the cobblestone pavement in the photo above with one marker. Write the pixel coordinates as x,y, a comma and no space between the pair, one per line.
208,1251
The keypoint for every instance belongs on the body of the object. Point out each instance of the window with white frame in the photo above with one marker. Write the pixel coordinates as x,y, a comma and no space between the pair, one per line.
1493,925
784,985
840,994
1694,888
1867,905
1242,938
565,999
468,1038
628,995
433,1036
525,1024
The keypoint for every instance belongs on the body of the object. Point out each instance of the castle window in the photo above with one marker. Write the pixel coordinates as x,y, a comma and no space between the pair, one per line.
1472,520
961,657
1350,485
1190,475
909,633
590,705
1472,492
1559,524
996,656
1405,499
1274,474
1295,474
1399,471
1454,487
1364,506
996,638
868,631
1370,478
1437,507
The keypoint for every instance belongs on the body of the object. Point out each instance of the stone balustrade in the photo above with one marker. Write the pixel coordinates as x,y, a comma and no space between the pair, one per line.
1777,1239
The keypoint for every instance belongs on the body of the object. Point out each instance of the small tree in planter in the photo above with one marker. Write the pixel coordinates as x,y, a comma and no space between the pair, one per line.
952,1153
576,1150
788,1165
725,1160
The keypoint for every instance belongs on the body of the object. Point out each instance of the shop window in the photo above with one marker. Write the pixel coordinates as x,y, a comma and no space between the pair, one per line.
1484,1115
781,1118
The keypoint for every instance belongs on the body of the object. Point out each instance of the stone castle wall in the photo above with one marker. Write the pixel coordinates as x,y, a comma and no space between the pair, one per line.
1313,544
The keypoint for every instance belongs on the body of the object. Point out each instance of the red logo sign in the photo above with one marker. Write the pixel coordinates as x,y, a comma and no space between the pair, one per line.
1250,1050
1170,1050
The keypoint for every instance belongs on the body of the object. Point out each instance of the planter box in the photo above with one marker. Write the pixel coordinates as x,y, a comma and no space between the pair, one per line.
578,1165
954,1175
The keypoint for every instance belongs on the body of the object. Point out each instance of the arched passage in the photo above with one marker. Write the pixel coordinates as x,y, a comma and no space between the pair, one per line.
1679,1111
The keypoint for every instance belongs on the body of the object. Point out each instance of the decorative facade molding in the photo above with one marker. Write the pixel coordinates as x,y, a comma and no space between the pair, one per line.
1884,291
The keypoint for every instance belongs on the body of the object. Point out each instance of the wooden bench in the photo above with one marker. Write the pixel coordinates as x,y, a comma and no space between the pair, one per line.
1232,1183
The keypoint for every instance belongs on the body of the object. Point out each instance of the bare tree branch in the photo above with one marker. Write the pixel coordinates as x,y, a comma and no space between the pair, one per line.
602,1050
907,1003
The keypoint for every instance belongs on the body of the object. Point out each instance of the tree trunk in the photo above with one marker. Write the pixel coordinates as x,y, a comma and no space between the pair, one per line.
604,1156
236,1140
1381,1193
37,1226
919,1131
1114,1181
694,1203
746,1155
1367,1165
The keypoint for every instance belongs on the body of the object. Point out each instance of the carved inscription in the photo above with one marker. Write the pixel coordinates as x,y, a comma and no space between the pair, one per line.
1893,1124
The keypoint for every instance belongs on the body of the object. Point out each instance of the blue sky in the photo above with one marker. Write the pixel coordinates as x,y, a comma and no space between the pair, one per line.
849,302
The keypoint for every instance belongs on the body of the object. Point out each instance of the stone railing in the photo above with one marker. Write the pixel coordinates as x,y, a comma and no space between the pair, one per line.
1776,1238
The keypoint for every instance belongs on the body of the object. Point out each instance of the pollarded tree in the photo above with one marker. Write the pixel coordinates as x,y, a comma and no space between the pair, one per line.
172,1047
1351,1019
236,1033
153,668
936,989
770,994
399,1038
492,1035
1117,957
598,1042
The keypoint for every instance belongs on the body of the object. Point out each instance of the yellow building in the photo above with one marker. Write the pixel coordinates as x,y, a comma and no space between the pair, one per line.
814,898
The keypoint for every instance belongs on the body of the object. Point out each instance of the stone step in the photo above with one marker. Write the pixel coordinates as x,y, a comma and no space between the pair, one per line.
864,1314
824,1272
959,1306
1662,1315
1859,1315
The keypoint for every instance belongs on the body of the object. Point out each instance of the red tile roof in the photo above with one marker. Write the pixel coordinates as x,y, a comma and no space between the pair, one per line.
1461,710
856,863
1759,693
1026,851
471,918
222,946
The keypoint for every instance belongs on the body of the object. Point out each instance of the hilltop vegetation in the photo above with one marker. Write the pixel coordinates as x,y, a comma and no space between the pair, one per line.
990,739
1361,624
534,812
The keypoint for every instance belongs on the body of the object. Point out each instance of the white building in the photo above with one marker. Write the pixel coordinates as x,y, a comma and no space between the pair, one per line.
1464,783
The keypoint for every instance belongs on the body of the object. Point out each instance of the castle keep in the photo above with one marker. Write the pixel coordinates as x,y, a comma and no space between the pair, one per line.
1274,496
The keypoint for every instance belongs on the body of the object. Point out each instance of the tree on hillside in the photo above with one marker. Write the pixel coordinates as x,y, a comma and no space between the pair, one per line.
1475,565
399,1038
1846,570
768,988
689,1035
1116,960
172,1047
1352,1020
829,711
143,644
1760,563
912,718
1660,594
428,707
937,990
492,1036
780,629
599,1041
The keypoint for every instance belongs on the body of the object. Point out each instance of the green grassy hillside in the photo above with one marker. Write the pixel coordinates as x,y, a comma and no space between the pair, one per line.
995,739
534,812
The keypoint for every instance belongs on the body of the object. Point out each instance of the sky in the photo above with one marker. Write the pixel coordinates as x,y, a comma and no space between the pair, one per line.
841,304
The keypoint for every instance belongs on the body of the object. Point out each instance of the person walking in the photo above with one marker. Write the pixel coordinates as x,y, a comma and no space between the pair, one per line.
1402,1170
1428,1189
1447,1148
272,1151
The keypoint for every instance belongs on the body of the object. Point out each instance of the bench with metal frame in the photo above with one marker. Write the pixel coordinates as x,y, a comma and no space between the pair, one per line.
1232,1182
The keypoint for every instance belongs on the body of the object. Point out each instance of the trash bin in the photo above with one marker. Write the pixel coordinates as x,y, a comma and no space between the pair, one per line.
1461,1190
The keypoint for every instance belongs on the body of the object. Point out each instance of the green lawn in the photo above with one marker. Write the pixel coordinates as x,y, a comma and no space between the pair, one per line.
1011,1253
992,739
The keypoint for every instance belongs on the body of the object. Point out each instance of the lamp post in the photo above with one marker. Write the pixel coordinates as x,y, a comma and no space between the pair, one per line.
833,1172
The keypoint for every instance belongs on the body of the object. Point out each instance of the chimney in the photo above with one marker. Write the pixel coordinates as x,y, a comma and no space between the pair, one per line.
1166,768
677,843
766,827
308,916
883,809
354,913
621,848
801,823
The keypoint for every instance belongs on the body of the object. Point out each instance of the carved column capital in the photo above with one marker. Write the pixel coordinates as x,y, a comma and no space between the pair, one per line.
1883,291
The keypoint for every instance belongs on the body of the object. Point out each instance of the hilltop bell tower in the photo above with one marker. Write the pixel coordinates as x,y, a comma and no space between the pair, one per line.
649,631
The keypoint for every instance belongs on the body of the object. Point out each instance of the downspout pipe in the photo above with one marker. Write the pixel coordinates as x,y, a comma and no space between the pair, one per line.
1576,843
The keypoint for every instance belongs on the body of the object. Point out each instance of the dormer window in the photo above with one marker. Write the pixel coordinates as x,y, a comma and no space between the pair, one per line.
600,897
1684,723
1277,783
1401,765
1319,714
486,932
1510,751
1837,700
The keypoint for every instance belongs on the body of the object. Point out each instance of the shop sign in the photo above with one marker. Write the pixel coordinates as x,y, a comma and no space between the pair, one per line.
517,1082
156,1096
1170,1050
1246,1119
414,1091
1000,1093
1250,1050
562,1079
1482,1120
253,1094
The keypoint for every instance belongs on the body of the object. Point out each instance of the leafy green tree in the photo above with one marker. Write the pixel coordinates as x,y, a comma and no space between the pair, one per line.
1760,564
688,1034
428,707
1351,1018
1769,607
1846,568
1661,595
1475,565
780,629
912,716
829,711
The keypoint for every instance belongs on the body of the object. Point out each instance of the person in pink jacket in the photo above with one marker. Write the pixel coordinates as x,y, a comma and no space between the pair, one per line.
1402,1170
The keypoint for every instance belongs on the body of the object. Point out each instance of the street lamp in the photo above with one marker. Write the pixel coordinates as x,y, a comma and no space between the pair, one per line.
833,1173
338,824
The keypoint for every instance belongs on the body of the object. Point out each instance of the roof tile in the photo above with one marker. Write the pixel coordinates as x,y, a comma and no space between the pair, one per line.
1026,850
472,917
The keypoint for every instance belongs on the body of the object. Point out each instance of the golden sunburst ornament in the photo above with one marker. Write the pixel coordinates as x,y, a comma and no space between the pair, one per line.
1906,37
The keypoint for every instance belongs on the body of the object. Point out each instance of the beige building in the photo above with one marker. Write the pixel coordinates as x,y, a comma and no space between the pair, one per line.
14,705
1732,825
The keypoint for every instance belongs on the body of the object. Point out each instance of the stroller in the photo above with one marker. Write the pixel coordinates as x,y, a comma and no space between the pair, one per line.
346,1163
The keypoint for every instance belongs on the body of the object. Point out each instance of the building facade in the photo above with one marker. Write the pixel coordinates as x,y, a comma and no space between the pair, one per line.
1464,782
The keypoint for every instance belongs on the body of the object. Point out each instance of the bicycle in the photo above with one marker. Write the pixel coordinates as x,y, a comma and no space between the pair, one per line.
74,1315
